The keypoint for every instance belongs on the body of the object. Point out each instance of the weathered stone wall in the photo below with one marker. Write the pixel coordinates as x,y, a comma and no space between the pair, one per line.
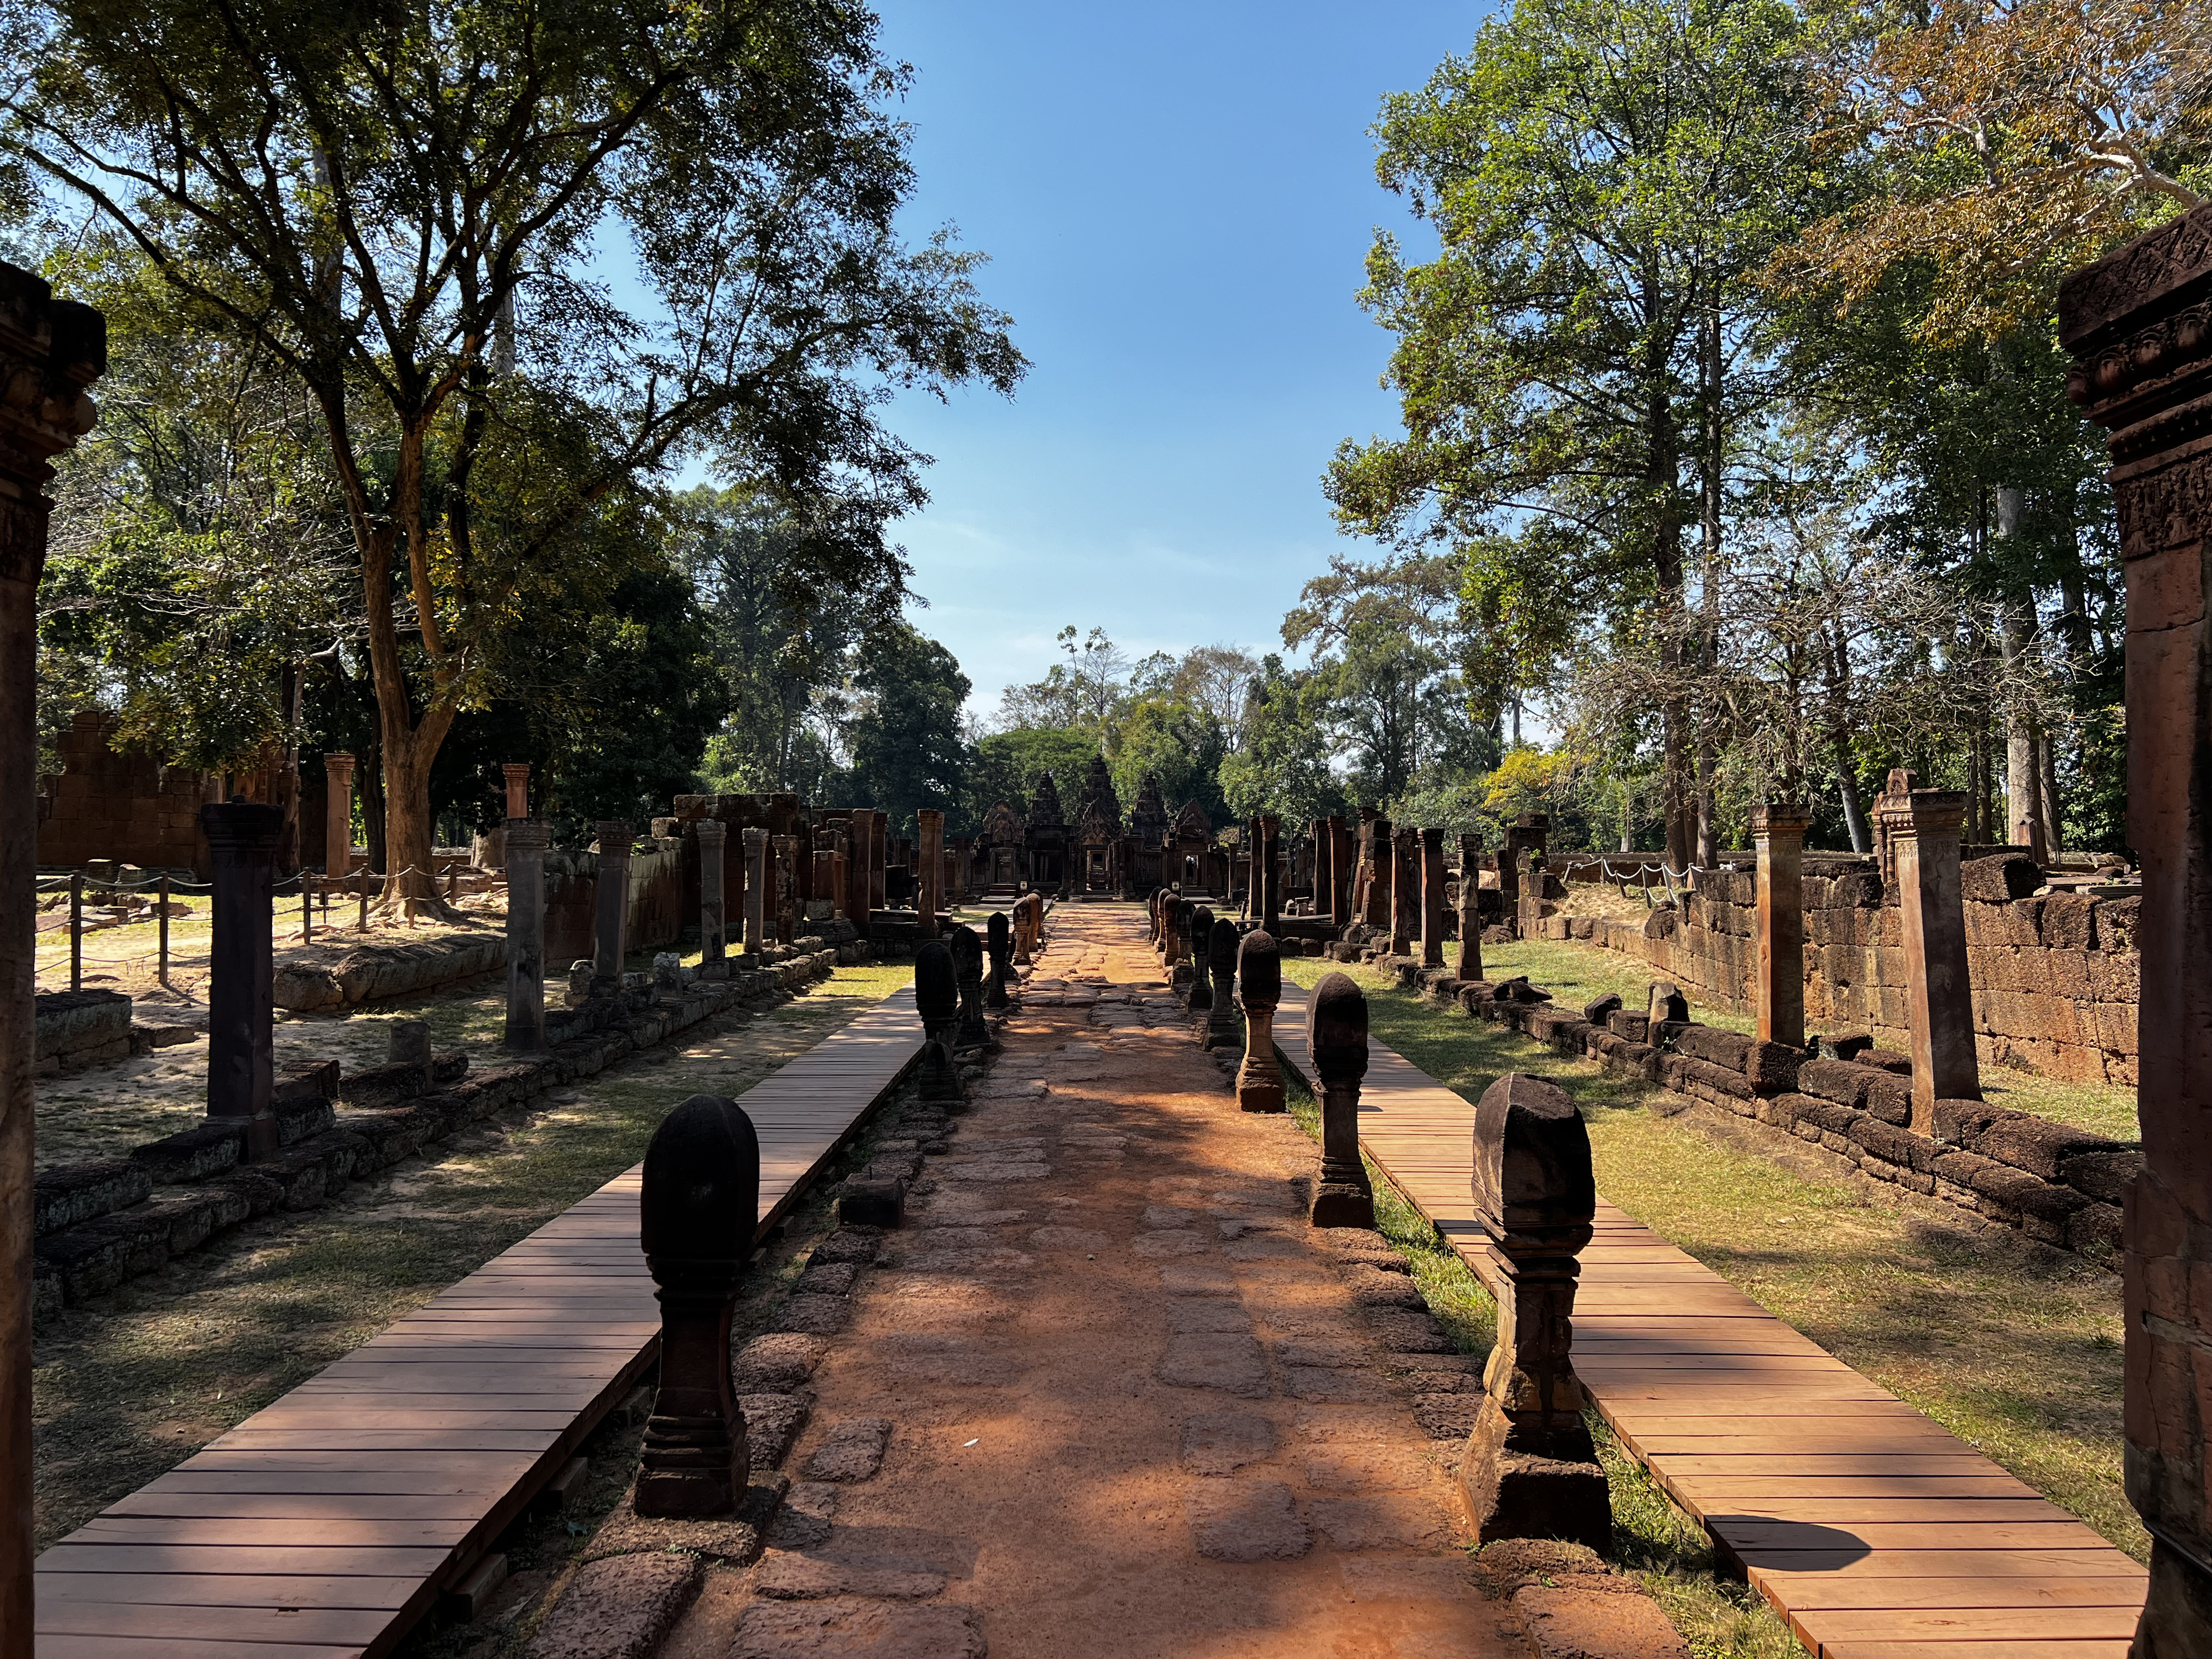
2055,978
126,807
656,898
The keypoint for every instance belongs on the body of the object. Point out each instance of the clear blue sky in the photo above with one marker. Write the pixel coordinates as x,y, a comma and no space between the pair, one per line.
1177,201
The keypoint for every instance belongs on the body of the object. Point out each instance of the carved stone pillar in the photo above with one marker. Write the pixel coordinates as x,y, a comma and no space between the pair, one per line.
880,856
1223,1027
518,788
1530,1470
1470,910
1777,835
1339,897
1336,1037
337,814
1259,1079
930,830
1432,898
1376,858
1317,838
1532,893
50,351
1270,908
611,915
967,948
999,945
243,839
527,841
1923,838
2140,322
1509,878
937,998
696,1214
1019,920
714,921
1201,944
1405,892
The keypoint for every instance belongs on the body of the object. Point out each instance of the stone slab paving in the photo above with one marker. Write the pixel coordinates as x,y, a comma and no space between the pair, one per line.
1106,1391
1874,1531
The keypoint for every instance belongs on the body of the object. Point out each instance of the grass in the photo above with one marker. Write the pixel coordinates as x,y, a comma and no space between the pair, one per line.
126,1389
2011,1345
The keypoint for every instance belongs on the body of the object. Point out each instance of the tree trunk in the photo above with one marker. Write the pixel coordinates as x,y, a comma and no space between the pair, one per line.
1709,548
372,807
1847,786
2053,819
2023,775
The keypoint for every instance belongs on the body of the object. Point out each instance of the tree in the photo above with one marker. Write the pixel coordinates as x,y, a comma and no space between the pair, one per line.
399,206
1008,764
1084,692
1283,765
904,732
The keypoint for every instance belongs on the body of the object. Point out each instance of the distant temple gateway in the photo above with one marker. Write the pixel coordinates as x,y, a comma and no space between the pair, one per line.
1102,855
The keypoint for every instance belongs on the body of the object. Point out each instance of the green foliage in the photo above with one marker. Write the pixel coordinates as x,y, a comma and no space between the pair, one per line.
1007,765
905,740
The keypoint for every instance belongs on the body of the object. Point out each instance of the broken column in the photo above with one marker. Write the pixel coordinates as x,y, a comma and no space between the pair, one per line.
1529,1469
1260,974
713,932
967,948
697,1216
611,916
338,814
998,944
1432,898
936,1000
1405,892
1336,1038
755,841
243,839
1777,836
2135,321
1470,910
1923,836
527,841
930,872
1223,1029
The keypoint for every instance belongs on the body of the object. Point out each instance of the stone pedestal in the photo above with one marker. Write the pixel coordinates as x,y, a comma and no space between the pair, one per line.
697,1212
755,892
936,1000
931,856
1470,910
714,866
1923,838
1432,898
1529,1469
527,841
610,917
2137,323
1201,978
1223,1029
338,814
1336,1038
517,774
243,839
1260,972
1405,892
1777,835
967,948
999,945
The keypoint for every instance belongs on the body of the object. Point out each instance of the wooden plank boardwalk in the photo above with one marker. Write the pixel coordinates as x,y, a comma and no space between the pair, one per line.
325,1525
1874,1531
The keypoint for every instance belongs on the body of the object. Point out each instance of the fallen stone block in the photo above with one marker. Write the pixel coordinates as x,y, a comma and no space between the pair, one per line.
69,1194
619,1607
858,1626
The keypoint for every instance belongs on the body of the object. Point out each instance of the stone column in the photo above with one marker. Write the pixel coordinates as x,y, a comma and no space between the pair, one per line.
1338,900
1405,892
50,351
1432,898
2136,321
1336,1038
783,886
243,839
1923,834
610,917
931,831
1508,878
1777,835
1530,1470
1532,892
527,841
755,892
1271,872
879,855
1470,910
713,920
337,814
518,788
1223,1027
859,833
697,1214
1376,858
1259,1079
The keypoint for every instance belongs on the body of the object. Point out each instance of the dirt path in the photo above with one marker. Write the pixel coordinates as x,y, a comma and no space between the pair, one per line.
1130,1403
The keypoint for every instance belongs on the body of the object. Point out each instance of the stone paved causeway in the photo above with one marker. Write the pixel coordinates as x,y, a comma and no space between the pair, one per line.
1106,1393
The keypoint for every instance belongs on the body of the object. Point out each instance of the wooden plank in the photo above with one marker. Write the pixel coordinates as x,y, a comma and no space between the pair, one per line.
384,1595
1812,1592
352,1627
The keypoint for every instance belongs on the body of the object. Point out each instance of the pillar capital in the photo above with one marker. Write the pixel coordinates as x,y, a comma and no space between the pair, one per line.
517,774
1924,811
530,834
1786,819
338,764
712,830
613,838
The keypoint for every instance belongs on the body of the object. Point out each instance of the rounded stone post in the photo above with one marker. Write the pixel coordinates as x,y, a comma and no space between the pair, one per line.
755,892
337,814
1336,1037
1923,835
1224,1028
1530,1470
936,1000
243,839
1432,898
967,948
698,1211
930,857
1470,910
518,788
611,914
1202,940
527,841
713,933
1260,1080
1020,922
1777,835
999,943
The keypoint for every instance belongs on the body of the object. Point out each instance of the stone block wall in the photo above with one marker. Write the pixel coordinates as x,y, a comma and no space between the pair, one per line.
656,897
2054,978
127,807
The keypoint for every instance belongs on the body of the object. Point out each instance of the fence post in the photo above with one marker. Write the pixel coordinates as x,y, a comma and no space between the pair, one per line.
362,925
307,907
77,930
161,974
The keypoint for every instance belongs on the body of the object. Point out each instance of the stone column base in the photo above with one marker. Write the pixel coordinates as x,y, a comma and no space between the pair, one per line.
1520,1495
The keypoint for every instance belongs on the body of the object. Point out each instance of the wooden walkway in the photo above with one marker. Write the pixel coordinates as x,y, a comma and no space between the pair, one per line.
324,1526
1874,1531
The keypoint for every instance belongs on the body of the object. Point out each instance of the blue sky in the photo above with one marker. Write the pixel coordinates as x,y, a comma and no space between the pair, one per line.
1176,200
